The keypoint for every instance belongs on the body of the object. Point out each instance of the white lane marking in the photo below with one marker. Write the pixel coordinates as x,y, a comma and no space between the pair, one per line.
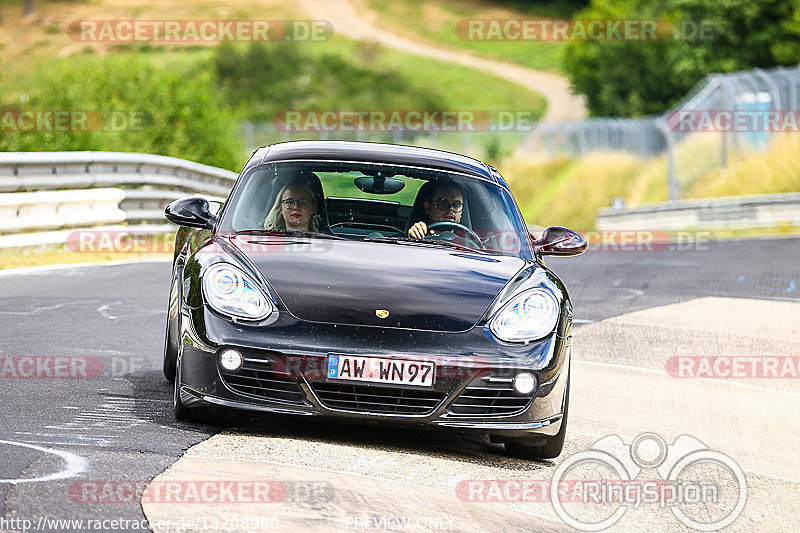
365,476
45,268
103,310
664,373
581,321
632,293
74,464
37,310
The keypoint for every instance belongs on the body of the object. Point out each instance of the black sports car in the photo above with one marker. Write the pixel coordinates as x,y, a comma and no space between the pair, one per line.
371,282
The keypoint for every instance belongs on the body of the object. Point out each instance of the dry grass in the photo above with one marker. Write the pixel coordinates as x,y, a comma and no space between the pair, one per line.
569,193
60,256
776,170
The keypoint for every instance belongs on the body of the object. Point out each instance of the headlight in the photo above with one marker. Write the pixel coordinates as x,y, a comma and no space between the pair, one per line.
527,317
232,292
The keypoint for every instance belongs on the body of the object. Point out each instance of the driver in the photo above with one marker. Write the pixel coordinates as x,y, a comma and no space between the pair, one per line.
444,204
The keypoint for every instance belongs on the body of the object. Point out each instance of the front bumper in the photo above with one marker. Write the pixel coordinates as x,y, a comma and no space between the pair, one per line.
295,351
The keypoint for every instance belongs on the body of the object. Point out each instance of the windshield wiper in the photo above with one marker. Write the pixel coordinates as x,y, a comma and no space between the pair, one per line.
420,242
290,233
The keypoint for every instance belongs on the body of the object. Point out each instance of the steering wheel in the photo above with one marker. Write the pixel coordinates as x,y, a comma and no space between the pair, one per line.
454,226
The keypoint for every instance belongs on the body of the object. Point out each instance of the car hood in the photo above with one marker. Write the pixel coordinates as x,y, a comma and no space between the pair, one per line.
422,287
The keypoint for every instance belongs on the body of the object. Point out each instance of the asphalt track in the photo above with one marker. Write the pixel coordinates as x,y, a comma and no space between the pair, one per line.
108,418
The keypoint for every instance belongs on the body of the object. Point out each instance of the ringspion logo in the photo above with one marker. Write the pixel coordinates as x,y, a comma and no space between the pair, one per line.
689,475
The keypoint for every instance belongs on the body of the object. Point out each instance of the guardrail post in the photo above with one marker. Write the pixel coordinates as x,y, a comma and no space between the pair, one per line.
673,188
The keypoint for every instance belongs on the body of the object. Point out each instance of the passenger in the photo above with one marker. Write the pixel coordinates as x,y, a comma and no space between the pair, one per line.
295,209
444,204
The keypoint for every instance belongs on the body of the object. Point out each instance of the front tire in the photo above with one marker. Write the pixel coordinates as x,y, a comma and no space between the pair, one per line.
553,445
172,333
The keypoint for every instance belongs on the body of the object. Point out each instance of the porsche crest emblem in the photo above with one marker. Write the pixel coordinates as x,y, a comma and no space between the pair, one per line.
382,313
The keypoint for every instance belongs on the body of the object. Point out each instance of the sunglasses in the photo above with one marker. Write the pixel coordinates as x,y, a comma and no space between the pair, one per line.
443,205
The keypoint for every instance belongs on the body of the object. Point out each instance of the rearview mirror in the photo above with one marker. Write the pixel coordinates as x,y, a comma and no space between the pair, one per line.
192,212
557,240
379,184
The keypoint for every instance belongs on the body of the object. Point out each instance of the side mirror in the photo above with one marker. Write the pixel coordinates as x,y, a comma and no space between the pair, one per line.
192,212
557,240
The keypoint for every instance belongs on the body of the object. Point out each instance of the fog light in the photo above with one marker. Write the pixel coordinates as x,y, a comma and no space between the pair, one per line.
231,360
524,383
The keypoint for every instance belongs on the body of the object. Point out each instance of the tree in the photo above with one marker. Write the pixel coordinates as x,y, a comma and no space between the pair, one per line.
634,78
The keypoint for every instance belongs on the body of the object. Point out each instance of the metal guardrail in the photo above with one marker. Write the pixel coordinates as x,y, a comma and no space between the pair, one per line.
733,212
37,171
95,189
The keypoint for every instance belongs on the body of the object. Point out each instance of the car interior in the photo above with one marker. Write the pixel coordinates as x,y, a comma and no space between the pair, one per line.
358,204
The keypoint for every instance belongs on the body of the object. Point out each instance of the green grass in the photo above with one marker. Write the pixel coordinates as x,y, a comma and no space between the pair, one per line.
454,87
437,21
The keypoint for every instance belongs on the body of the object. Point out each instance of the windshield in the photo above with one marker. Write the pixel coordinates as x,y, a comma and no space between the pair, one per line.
377,203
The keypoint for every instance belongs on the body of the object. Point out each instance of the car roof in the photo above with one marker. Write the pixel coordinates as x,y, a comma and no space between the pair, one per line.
368,152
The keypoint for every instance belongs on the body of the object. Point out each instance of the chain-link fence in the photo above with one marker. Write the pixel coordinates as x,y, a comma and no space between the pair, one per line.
724,115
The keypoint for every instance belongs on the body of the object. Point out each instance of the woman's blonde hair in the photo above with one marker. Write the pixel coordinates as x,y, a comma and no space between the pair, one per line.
275,218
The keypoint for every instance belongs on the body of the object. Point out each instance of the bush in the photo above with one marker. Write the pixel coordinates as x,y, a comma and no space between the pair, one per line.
144,108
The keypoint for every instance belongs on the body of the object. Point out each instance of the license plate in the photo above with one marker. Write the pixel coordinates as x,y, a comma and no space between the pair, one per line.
380,370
